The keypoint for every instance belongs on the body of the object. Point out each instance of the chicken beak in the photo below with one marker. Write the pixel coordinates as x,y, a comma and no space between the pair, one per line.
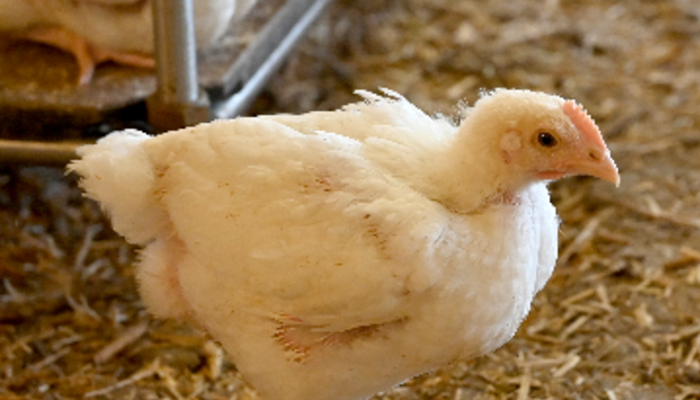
599,164
596,161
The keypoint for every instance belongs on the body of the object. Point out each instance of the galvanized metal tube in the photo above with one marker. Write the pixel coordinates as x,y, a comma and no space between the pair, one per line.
28,152
303,13
175,51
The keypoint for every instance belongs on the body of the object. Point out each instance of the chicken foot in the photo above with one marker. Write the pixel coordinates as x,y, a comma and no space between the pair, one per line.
87,56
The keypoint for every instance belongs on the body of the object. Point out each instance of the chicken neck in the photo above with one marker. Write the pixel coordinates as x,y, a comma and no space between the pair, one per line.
473,174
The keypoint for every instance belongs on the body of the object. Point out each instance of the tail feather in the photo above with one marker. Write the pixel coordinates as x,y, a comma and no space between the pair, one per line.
118,173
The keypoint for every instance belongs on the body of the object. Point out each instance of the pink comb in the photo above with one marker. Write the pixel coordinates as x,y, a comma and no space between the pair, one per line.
583,122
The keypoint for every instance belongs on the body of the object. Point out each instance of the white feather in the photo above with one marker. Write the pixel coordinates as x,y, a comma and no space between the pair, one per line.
117,172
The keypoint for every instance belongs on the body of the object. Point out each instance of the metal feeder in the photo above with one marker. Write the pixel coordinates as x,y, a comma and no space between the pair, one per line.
182,93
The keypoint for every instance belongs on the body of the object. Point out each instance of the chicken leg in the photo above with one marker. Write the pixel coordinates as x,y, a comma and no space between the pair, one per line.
87,56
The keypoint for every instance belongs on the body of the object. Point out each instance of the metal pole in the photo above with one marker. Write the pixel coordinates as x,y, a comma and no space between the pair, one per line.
175,51
28,152
178,101
303,13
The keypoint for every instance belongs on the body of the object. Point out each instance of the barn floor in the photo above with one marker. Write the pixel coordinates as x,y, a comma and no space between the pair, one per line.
620,318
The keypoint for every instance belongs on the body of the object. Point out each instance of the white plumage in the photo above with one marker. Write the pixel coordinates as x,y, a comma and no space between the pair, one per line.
335,254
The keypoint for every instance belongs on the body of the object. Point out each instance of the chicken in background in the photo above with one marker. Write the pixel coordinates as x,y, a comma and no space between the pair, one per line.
96,31
336,254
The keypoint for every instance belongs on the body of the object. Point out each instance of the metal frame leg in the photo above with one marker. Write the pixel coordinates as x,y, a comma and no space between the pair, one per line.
178,101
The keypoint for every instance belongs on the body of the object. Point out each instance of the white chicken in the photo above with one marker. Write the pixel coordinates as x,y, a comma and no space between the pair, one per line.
336,254
95,31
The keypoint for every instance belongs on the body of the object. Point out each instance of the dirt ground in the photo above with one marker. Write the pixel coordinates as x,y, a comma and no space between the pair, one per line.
620,318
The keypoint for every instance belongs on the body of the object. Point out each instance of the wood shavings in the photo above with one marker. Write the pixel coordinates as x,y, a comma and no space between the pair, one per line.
49,360
214,356
15,295
690,253
128,337
602,293
692,354
147,372
571,362
654,213
59,344
693,276
584,294
524,389
573,327
642,316
83,307
683,333
583,236
88,239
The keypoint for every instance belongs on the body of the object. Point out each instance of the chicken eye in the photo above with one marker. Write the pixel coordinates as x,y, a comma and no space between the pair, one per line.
546,139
